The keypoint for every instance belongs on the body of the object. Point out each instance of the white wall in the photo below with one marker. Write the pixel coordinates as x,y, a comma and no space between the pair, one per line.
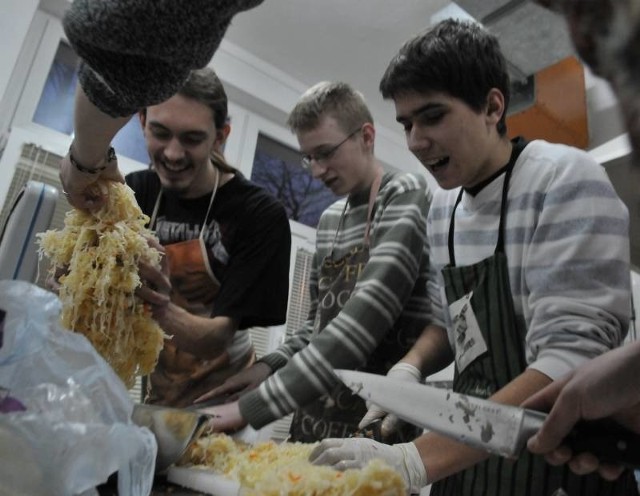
612,149
14,24
603,111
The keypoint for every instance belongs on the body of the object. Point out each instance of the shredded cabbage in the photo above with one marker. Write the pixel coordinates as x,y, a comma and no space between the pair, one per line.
99,253
271,469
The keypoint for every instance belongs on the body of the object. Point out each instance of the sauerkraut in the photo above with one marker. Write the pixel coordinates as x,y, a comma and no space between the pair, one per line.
270,469
99,254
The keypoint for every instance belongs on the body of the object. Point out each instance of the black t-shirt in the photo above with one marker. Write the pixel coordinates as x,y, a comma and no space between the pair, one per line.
248,241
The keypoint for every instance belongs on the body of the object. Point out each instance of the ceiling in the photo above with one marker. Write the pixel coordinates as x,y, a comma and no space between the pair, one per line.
353,40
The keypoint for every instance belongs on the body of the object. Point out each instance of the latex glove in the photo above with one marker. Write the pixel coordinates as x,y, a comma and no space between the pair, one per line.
343,454
401,371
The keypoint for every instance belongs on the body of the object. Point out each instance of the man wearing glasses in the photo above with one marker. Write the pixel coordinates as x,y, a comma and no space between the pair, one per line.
367,285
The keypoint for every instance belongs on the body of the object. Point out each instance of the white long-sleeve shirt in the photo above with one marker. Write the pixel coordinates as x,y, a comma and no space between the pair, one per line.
567,247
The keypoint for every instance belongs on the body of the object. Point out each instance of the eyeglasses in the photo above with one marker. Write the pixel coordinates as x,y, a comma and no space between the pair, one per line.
323,156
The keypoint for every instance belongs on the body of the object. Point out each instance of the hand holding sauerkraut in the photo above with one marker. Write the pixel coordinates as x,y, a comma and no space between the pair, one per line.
101,251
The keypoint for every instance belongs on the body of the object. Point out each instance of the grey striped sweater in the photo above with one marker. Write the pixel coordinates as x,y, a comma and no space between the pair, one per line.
391,291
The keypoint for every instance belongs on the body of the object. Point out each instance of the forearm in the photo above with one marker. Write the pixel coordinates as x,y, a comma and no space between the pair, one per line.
94,130
305,377
296,342
431,352
203,337
443,456
589,393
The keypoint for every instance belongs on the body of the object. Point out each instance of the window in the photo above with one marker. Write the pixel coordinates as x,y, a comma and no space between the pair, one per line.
276,167
297,313
55,107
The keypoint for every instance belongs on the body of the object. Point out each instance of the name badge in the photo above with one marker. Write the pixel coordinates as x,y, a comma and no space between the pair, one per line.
468,341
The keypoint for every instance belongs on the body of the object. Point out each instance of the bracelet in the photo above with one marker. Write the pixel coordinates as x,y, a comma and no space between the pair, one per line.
111,156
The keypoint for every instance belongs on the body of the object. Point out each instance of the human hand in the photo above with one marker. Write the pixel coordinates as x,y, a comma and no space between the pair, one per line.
402,371
239,384
226,418
343,454
156,284
587,393
83,190
52,282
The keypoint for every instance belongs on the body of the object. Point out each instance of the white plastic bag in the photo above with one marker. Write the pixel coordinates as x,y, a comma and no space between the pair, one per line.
77,429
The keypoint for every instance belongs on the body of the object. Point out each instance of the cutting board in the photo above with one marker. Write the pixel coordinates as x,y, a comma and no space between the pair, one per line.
206,480
203,480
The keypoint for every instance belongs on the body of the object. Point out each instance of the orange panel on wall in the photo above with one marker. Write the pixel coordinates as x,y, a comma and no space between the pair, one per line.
559,113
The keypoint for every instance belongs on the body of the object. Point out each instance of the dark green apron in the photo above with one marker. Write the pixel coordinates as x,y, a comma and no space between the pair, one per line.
338,413
489,343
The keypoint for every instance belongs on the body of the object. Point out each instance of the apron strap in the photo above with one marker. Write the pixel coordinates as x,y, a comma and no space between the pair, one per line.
335,236
213,195
375,188
452,224
156,206
373,193
503,216
503,208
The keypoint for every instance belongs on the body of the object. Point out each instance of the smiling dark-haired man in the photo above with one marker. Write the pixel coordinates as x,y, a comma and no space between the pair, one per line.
227,243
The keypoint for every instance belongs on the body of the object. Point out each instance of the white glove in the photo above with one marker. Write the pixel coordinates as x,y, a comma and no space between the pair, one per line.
404,372
355,452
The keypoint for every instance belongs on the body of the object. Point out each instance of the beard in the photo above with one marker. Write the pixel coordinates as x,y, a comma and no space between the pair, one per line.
173,176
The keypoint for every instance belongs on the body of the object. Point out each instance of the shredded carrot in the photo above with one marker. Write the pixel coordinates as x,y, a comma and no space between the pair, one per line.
294,477
270,469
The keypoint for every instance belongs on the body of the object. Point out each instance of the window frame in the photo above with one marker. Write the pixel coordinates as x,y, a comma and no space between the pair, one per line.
28,82
257,125
49,33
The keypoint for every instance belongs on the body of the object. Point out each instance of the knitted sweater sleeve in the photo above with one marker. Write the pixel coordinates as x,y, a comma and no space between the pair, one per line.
137,53
382,291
